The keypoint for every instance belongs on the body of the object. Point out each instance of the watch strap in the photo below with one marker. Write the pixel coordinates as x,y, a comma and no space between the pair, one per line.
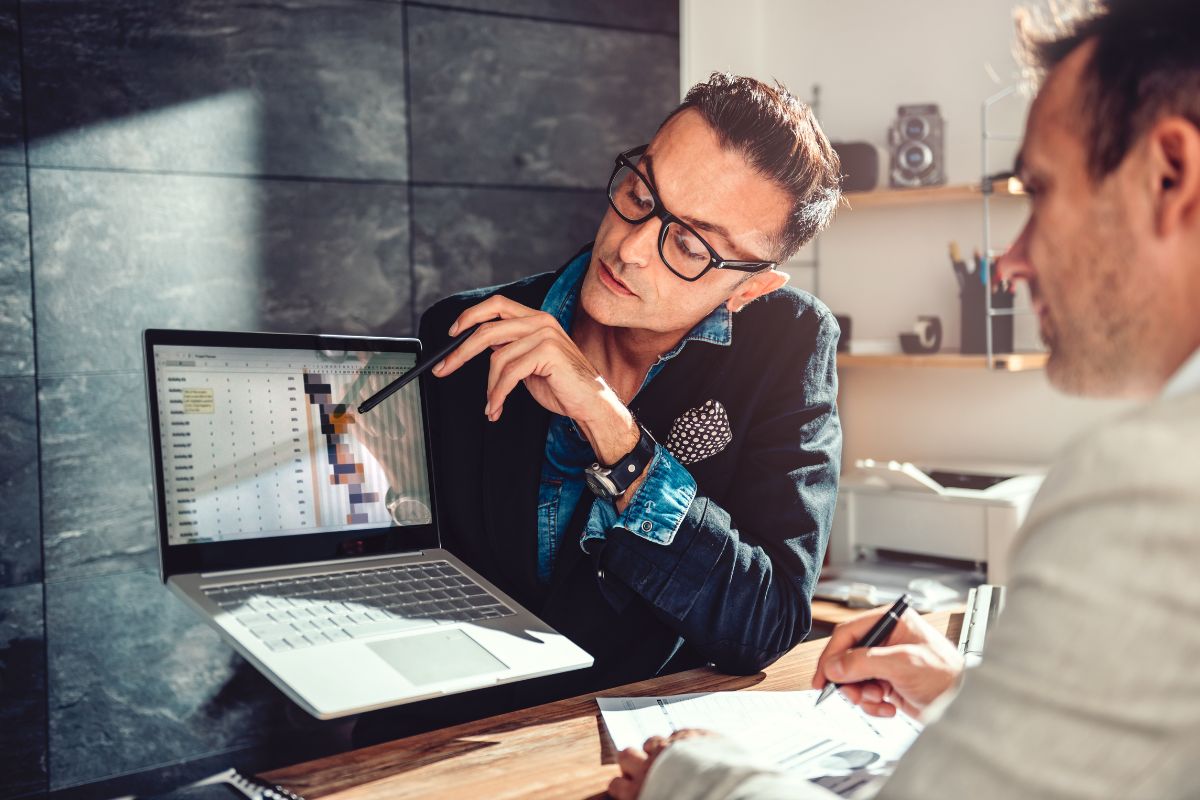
625,471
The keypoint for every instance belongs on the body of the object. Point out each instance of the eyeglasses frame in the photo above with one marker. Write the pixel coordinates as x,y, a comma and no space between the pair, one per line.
666,217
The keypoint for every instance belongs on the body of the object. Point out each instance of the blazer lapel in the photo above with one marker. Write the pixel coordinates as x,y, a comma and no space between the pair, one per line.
569,554
513,452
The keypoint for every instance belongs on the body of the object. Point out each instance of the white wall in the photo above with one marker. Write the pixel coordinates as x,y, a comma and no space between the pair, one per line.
885,266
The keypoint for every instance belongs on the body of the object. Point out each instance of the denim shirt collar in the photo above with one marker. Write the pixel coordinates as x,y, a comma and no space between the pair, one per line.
563,297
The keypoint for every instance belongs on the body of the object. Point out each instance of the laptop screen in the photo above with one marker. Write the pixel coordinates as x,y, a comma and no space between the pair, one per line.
265,442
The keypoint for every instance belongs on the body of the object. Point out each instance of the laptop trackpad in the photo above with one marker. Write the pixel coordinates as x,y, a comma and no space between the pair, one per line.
436,657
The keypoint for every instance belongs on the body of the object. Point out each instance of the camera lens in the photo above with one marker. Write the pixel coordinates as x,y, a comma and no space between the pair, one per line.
916,157
915,128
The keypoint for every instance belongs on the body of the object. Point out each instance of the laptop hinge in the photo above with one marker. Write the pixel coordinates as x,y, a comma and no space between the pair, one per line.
307,564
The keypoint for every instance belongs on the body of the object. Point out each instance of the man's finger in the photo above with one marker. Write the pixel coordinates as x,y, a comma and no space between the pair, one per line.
490,334
892,664
844,637
655,744
504,356
491,308
852,692
513,373
884,709
622,789
874,691
632,761
690,733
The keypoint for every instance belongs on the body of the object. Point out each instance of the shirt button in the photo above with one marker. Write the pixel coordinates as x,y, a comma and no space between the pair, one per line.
647,526
600,574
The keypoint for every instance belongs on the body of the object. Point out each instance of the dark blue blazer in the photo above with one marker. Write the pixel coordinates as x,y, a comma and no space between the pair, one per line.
734,586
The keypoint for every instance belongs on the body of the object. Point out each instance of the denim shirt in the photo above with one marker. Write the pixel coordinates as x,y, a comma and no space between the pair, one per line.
658,507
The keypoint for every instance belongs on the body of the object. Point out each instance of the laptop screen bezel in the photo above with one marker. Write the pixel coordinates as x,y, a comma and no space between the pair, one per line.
181,559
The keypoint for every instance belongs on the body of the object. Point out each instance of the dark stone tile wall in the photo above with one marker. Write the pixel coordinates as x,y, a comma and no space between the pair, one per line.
274,87
158,688
16,312
322,165
20,544
98,506
631,14
511,101
23,752
467,238
12,139
185,251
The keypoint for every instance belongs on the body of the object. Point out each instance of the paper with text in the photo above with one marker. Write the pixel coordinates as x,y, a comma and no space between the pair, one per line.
834,744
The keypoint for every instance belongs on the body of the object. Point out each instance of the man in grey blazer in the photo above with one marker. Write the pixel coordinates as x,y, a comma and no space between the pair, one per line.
1091,685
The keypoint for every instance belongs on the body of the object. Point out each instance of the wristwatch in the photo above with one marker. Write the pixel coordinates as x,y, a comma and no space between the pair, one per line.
612,481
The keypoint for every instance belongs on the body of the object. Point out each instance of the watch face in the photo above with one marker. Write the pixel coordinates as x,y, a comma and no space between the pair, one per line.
599,484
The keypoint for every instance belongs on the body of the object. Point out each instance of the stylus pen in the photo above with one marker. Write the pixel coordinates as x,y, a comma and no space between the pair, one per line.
878,634
414,373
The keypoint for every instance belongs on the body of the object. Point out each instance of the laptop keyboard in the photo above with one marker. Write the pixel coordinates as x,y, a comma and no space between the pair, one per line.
293,613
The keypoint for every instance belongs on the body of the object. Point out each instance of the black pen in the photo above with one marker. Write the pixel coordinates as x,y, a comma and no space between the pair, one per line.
414,373
878,634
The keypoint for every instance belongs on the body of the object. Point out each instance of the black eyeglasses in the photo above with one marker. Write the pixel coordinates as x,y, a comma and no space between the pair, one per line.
682,249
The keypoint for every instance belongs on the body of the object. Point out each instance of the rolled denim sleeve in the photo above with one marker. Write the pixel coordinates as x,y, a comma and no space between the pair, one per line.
655,511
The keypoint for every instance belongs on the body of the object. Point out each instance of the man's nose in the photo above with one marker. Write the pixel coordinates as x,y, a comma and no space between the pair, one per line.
1014,264
639,248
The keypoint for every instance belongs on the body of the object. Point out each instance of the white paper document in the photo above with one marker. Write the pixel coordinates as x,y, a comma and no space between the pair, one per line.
834,744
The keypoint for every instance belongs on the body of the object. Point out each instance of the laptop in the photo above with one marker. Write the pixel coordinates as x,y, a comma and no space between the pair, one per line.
306,534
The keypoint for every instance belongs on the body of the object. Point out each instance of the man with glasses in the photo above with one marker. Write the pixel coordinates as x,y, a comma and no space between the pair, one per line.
649,457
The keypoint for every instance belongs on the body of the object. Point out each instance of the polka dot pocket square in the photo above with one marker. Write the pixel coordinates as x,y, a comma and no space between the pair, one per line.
699,433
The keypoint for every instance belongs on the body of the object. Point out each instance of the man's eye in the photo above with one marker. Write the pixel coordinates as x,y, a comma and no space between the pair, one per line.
640,201
691,248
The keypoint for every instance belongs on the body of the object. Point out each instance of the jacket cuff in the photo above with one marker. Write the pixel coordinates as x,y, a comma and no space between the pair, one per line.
655,511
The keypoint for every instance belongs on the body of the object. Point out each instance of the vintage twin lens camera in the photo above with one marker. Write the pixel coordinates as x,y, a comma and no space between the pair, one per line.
917,147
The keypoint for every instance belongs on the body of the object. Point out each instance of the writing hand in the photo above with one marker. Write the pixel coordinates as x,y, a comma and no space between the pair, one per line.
914,667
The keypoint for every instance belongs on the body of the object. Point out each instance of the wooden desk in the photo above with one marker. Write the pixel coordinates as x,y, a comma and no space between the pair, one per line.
558,750
827,613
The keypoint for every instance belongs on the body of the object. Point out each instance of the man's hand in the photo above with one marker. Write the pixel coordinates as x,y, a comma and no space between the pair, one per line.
915,666
529,345
635,763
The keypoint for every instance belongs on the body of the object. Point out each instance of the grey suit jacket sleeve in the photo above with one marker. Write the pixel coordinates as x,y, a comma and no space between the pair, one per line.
1090,686
718,769
1091,682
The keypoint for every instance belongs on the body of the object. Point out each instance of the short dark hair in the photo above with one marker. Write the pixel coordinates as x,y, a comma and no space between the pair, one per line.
1146,64
780,138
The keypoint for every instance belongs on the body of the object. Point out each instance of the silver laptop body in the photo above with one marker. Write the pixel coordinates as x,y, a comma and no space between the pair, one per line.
306,534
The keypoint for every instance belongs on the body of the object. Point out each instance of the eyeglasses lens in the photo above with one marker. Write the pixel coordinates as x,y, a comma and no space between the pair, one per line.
682,250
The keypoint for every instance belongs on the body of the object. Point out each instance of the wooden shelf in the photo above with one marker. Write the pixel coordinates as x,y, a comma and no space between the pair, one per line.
953,193
1004,362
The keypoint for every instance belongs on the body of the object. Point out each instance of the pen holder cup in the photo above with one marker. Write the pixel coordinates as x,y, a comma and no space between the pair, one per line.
975,320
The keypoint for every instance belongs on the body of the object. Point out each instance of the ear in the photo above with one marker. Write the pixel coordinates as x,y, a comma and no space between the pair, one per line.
1174,152
754,287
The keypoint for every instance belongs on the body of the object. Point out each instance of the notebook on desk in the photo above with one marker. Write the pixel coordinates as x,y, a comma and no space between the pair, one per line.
307,535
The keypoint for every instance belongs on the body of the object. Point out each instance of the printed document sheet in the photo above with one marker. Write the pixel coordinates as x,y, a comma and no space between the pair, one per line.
834,744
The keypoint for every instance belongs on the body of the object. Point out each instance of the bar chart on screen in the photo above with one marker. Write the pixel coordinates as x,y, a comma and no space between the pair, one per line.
267,443
345,476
